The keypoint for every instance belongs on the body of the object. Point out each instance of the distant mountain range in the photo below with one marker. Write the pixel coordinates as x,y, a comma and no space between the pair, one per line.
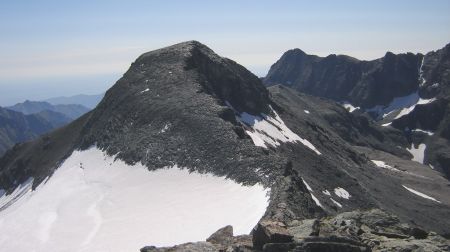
72,111
16,127
25,121
410,92
89,101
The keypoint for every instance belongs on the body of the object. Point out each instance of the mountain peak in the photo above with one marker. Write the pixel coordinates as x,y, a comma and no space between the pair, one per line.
183,49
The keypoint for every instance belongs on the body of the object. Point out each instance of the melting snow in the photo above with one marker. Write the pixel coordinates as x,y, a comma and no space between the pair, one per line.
118,207
341,192
404,104
146,90
418,152
349,107
421,78
421,194
271,131
382,164
423,131
307,186
408,110
335,202
306,111
316,200
165,128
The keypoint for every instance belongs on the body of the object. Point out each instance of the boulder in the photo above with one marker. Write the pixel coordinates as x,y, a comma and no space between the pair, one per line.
268,231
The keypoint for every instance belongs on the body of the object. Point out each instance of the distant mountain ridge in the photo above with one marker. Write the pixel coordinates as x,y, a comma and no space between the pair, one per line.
89,101
410,92
15,127
72,111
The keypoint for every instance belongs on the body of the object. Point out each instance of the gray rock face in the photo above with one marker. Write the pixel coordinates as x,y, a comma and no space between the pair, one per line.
339,77
268,231
356,231
367,84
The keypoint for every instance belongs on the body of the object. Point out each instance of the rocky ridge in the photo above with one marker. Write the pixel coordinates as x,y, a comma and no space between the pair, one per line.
187,106
410,92
356,231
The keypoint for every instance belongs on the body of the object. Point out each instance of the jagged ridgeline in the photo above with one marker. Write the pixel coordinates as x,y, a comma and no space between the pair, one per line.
184,106
410,92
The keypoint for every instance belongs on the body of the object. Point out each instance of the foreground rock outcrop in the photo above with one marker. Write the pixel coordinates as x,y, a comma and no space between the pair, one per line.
356,231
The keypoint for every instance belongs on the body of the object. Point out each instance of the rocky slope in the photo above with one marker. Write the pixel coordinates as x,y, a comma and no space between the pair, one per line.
409,92
357,231
72,111
184,105
16,127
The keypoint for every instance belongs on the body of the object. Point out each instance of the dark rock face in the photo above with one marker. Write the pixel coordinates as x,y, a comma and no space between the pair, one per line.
342,78
270,232
373,85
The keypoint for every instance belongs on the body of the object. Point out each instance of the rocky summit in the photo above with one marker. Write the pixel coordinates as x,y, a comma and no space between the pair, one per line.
327,172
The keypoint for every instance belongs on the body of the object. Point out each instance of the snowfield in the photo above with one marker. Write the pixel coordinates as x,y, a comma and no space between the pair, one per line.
269,130
93,203
403,104
418,153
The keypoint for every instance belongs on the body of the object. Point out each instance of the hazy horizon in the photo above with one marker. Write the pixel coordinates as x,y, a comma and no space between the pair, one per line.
63,49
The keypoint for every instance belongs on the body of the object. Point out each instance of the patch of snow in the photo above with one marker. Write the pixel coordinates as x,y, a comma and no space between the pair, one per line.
326,192
404,104
386,124
396,104
307,186
267,130
424,131
382,164
336,203
421,78
165,128
146,90
316,200
341,192
408,110
421,194
435,85
306,111
432,167
418,153
122,207
349,107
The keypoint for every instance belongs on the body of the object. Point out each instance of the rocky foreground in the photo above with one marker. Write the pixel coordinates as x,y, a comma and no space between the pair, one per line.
372,230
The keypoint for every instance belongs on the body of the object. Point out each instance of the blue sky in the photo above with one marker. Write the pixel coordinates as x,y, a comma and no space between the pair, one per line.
52,48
